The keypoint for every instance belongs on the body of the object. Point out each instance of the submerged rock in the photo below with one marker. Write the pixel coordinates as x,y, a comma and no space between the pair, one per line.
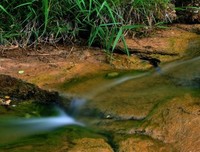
112,75
192,83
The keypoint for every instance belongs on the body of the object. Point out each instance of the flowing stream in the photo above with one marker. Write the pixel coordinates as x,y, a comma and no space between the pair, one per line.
185,73
14,128
138,87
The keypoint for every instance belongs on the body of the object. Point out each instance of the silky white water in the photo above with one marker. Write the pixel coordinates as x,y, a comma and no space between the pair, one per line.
15,128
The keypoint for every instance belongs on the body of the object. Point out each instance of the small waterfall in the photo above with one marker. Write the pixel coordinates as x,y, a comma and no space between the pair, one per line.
47,123
17,128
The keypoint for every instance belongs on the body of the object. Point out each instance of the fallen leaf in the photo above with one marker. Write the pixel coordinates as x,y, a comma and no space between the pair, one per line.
21,72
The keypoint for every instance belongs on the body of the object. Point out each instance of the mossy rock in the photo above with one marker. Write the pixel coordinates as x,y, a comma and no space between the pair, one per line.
112,75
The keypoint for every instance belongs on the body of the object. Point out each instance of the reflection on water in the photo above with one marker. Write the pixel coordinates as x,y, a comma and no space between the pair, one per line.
17,128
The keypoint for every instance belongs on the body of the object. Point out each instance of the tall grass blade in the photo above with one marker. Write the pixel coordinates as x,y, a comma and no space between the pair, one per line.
23,4
5,11
119,35
45,4
125,45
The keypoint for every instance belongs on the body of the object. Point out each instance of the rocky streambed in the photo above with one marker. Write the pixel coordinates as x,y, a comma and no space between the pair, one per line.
125,104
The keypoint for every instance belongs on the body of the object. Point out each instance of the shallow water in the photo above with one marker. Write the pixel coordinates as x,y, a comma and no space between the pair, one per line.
12,128
137,97
133,96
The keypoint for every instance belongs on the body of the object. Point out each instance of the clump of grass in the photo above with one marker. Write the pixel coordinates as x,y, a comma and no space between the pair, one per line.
99,22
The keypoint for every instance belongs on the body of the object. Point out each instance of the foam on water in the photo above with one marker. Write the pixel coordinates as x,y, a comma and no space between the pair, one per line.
47,123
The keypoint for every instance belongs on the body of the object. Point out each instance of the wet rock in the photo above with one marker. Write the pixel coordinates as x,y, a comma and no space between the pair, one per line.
91,145
186,73
143,144
20,90
176,122
192,83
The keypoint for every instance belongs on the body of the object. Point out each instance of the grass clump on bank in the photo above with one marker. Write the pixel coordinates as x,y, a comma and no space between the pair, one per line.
99,22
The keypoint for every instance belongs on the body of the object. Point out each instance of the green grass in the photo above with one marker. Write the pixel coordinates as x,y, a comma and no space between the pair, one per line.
91,22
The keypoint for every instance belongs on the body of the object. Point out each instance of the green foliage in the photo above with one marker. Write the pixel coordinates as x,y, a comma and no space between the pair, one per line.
96,21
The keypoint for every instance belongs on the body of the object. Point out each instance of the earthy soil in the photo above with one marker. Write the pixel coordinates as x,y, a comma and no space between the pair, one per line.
46,65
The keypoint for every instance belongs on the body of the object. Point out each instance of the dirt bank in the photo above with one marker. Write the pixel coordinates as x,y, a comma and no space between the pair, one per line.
47,65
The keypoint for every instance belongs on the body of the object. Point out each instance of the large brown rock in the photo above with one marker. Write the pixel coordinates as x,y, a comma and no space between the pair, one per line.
91,145
176,122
